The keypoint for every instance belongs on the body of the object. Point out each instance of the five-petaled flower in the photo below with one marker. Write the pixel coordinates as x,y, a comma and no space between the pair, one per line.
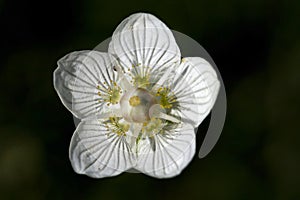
138,104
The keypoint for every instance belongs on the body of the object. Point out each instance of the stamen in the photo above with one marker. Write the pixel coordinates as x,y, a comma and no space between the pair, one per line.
114,125
167,117
152,127
158,112
126,84
110,93
141,81
140,76
137,127
166,98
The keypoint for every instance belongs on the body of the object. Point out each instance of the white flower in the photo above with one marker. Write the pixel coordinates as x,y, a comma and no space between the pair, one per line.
138,104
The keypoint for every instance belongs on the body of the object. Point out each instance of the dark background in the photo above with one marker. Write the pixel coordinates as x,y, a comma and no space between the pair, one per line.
256,47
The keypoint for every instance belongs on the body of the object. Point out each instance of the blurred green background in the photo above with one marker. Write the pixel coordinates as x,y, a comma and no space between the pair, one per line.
256,46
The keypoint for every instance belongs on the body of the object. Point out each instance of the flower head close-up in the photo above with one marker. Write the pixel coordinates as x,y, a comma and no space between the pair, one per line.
138,104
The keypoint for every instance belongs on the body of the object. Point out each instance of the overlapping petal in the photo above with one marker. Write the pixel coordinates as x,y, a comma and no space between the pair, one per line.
98,153
145,42
196,87
79,78
167,153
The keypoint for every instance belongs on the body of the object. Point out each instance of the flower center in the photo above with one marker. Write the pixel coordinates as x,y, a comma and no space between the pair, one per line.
135,105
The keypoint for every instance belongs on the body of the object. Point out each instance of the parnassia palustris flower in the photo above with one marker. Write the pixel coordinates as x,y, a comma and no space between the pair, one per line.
138,103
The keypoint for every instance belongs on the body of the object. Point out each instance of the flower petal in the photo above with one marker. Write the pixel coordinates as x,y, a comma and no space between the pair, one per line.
96,152
80,77
166,154
196,87
145,42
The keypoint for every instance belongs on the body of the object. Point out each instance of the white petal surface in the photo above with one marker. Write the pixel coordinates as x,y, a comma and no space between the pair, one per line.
77,78
98,154
166,155
146,42
196,87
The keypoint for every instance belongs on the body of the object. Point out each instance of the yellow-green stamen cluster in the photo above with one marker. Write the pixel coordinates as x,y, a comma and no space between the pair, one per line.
166,98
111,95
142,81
152,127
114,125
140,76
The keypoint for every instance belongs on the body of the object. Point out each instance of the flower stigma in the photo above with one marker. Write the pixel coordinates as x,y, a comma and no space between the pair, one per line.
134,101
